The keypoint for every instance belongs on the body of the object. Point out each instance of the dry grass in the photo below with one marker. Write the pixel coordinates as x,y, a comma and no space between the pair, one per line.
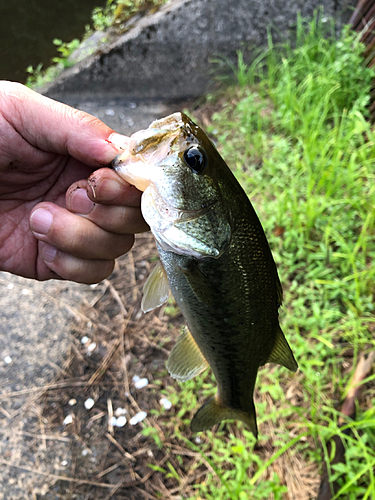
103,461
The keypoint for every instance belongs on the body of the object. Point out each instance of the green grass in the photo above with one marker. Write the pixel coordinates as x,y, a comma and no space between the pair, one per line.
298,141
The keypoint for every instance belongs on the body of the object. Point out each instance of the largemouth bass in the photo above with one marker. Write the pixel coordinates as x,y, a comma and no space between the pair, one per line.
216,261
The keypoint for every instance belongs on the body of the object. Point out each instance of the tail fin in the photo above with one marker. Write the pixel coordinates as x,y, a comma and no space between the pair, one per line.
214,411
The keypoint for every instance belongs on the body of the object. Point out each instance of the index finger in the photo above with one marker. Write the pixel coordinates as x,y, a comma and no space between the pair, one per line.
105,186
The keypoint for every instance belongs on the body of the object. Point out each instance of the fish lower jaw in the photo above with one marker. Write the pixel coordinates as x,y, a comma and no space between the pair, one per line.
131,175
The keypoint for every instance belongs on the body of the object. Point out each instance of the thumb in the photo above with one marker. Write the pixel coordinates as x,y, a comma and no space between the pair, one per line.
57,128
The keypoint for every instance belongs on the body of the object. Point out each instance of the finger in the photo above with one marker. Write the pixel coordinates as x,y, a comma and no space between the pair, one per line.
76,235
116,219
57,128
107,187
72,268
108,201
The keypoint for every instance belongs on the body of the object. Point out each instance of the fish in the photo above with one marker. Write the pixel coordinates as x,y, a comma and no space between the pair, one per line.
216,261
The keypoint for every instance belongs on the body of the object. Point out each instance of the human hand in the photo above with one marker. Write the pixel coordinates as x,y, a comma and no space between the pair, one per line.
47,230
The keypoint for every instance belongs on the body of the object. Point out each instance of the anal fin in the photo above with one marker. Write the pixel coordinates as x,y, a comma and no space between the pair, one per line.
156,289
186,360
282,353
214,411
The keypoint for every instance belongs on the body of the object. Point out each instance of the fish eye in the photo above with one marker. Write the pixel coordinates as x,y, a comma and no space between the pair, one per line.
196,158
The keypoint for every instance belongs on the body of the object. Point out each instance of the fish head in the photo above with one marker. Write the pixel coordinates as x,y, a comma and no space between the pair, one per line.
179,171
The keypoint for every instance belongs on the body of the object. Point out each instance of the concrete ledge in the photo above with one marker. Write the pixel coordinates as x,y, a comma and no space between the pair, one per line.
167,55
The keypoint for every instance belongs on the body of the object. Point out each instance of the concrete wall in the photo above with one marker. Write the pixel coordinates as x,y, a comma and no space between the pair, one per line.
168,55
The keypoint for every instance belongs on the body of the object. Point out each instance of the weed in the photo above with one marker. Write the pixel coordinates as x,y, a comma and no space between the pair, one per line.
299,143
113,15
120,11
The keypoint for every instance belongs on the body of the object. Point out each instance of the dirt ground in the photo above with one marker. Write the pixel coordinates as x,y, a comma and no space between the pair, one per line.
52,445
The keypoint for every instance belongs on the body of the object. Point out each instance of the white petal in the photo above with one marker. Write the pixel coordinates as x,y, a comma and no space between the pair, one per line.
89,403
165,403
142,382
68,419
121,421
138,418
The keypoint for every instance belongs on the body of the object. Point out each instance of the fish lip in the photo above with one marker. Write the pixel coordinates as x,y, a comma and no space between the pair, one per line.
116,162
142,154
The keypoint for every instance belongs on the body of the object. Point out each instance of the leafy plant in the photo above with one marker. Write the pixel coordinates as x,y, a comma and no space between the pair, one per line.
120,11
113,15
65,49
294,130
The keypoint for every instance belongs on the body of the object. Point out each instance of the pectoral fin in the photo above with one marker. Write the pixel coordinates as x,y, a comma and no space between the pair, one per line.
214,411
282,353
199,283
186,360
156,289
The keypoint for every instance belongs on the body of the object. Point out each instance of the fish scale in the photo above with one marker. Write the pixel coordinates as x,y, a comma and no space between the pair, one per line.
217,262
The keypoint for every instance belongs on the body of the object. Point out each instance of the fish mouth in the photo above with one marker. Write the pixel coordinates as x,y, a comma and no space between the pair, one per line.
138,164
137,170
139,173
145,150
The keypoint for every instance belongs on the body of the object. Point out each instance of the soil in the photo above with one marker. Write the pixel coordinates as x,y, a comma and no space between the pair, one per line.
46,455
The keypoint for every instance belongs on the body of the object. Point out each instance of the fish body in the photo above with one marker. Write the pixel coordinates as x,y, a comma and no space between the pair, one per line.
217,261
